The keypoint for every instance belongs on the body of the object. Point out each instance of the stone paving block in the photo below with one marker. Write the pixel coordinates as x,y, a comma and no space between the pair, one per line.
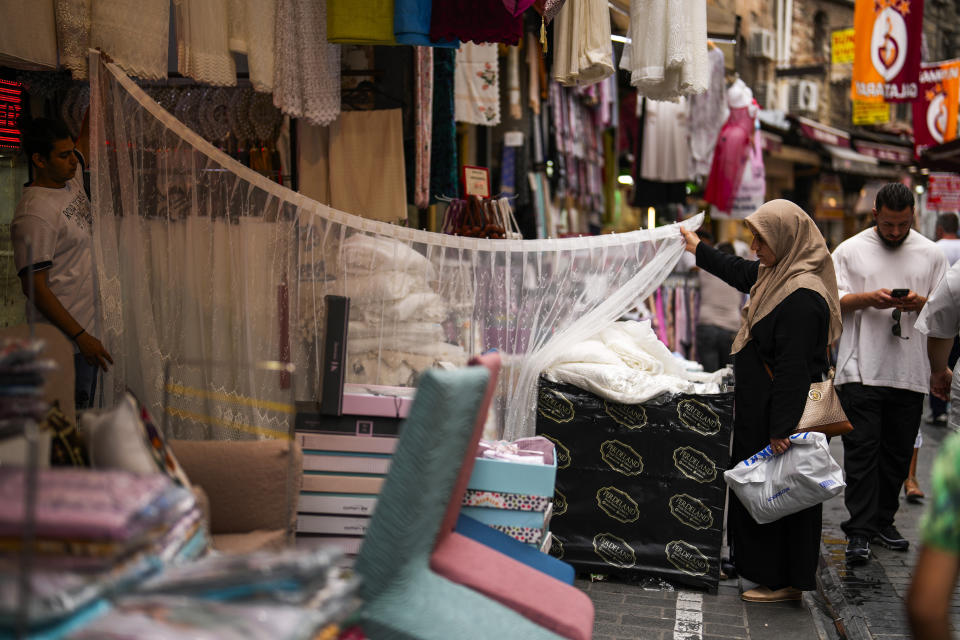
647,623
724,630
724,618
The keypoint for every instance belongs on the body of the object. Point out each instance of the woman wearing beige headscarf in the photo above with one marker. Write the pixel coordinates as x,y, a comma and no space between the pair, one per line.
792,316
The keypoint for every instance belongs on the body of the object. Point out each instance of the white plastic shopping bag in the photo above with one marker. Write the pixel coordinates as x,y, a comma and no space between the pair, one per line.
772,486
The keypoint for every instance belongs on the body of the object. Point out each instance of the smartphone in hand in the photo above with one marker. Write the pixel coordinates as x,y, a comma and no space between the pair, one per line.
899,293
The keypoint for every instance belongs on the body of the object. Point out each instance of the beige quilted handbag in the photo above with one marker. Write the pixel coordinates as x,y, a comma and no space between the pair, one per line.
823,411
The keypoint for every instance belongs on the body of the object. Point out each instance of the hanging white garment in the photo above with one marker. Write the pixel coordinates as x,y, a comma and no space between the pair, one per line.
28,35
73,35
476,84
666,147
136,35
668,57
251,29
582,53
203,52
708,112
306,72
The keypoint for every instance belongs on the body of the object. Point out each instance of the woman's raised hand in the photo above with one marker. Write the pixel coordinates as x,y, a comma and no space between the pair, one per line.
692,240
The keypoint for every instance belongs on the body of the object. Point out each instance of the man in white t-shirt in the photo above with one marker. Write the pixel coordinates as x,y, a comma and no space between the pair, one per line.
719,317
884,276
946,234
52,248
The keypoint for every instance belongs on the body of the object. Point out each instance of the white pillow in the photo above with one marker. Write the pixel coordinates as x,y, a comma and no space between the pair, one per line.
116,438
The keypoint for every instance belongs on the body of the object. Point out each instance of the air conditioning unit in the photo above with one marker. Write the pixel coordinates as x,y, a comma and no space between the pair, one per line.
761,44
766,95
804,97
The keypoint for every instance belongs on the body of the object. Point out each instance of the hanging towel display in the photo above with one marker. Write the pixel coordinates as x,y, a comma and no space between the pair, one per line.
666,152
443,149
251,30
668,56
307,68
730,155
411,24
73,35
582,53
360,21
28,35
136,35
365,147
203,51
478,21
477,84
708,112
423,57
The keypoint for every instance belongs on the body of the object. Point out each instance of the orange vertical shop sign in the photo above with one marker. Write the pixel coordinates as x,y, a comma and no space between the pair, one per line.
886,63
935,111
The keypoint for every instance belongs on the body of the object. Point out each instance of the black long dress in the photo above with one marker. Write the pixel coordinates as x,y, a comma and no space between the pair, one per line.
792,341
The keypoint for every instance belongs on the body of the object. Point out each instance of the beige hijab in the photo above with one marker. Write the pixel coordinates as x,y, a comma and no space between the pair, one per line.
803,262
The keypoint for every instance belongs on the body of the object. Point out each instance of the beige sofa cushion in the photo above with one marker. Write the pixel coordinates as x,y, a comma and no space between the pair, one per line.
251,485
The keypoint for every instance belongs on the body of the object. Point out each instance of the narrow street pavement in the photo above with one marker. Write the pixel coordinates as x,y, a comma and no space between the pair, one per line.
854,602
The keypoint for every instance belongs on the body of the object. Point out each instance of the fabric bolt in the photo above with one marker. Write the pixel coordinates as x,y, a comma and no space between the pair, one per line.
533,75
869,353
508,168
940,318
203,49
670,59
367,146
444,180
411,24
360,22
513,82
477,84
708,112
251,30
423,61
134,35
306,67
528,535
478,21
28,35
73,35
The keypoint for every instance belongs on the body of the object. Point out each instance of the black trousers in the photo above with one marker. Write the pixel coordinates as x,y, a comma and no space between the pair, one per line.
876,454
713,346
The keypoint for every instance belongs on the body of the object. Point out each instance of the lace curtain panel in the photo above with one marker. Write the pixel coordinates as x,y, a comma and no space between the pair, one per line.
201,261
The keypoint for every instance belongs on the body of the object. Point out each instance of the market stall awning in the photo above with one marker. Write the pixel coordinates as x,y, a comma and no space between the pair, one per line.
850,161
943,157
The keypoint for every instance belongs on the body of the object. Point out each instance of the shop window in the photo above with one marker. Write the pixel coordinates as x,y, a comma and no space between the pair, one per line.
821,36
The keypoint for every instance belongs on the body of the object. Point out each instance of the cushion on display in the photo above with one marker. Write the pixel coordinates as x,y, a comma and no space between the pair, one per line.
549,602
252,485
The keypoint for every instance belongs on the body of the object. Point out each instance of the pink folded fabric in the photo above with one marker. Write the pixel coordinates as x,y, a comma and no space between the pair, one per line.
516,7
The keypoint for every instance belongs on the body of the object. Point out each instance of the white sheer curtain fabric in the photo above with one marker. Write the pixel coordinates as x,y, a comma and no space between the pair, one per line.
203,50
202,261
134,33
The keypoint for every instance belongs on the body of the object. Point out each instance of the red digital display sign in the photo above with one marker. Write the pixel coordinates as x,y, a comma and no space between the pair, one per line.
11,106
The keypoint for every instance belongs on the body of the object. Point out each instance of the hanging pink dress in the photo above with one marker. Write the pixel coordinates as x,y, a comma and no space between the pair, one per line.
729,159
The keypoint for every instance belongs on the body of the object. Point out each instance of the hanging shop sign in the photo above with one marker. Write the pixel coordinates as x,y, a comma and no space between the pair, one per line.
935,111
823,133
11,106
943,192
886,64
884,152
841,46
642,485
870,112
